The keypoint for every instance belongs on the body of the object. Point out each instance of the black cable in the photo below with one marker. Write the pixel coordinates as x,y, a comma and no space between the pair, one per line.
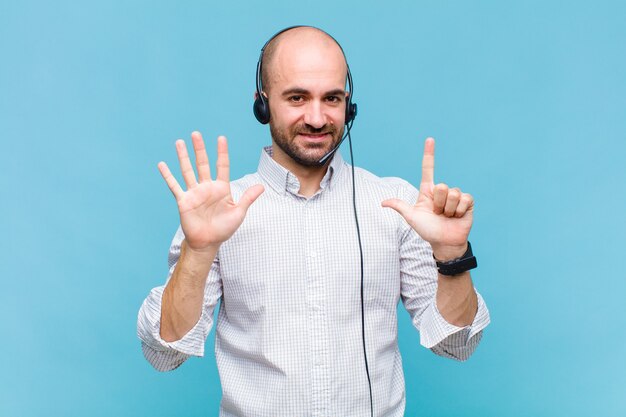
358,233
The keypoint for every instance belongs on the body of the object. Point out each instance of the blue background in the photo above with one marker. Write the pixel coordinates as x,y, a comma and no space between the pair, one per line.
527,102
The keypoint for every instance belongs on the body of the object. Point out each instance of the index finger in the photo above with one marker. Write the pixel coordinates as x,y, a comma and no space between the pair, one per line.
223,163
428,162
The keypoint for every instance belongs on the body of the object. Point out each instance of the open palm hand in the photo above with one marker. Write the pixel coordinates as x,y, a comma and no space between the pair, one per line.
208,214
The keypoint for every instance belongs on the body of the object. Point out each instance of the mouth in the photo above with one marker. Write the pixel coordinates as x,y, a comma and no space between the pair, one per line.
315,137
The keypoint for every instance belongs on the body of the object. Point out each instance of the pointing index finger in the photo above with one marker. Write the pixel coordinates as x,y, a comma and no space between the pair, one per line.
428,162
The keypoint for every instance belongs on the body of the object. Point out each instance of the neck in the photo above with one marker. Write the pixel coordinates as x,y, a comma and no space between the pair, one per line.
309,177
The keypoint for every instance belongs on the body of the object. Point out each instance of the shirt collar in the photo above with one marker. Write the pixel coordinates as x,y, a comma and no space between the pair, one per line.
282,180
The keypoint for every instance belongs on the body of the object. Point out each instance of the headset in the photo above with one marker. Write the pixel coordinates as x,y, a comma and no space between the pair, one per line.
261,109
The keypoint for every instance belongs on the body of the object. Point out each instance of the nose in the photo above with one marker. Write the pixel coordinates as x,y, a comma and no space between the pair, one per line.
314,115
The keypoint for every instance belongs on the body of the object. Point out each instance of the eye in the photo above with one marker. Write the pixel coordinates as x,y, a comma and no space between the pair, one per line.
333,99
296,99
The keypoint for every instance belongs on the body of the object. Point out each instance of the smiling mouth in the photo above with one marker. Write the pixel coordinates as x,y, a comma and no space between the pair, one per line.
314,135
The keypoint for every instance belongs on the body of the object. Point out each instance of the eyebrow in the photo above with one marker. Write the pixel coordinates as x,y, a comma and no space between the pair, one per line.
302,91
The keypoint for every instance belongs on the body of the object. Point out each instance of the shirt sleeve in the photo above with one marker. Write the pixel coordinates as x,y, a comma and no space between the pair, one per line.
419,278
166,356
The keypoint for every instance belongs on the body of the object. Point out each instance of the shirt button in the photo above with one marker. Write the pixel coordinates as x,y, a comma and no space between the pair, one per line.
313,254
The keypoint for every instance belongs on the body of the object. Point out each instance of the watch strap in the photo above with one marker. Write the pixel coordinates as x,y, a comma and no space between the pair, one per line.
459,265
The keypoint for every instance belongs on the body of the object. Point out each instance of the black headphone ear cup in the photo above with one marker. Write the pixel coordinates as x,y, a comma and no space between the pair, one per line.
350,111
261,110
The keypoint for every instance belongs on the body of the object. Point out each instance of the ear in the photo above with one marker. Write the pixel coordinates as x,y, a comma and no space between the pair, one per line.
256,95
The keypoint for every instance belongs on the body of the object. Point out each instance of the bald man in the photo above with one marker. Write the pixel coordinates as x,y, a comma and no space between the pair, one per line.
280,249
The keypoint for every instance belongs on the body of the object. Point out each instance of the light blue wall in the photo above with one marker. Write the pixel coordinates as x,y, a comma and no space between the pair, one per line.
527,101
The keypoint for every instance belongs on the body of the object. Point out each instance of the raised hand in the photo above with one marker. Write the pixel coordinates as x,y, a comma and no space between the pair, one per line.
442,216
208,214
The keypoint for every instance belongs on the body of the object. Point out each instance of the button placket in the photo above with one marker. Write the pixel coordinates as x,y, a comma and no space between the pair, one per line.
316,296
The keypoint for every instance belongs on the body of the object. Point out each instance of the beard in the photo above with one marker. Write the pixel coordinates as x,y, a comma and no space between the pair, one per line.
308,154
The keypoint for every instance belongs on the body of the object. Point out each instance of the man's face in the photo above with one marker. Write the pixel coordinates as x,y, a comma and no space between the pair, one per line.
307,100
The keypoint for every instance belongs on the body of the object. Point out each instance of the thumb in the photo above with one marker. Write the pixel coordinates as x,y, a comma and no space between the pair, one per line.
398,205
250,196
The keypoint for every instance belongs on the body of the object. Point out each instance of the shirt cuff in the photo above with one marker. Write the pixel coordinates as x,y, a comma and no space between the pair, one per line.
435,329
191,344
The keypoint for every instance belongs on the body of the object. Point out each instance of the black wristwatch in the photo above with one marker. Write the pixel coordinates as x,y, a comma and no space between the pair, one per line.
458,265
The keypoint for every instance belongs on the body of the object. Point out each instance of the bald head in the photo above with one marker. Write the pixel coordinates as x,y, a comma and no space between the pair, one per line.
302,46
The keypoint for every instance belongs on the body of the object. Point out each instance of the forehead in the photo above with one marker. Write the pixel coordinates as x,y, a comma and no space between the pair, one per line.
308,59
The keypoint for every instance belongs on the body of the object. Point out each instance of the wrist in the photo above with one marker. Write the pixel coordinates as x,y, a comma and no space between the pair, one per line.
200,252
445,253
457,266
